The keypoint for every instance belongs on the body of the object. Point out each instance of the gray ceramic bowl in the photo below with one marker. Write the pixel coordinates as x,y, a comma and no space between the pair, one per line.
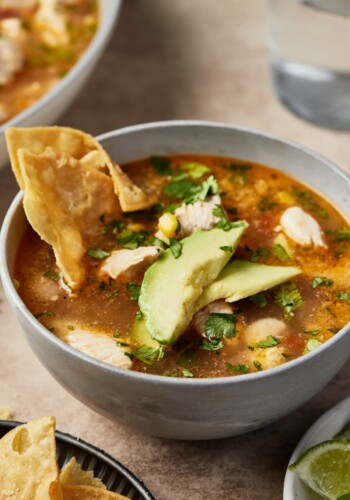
185,408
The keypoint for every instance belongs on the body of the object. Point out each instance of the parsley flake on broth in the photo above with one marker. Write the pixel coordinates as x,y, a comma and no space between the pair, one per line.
209,283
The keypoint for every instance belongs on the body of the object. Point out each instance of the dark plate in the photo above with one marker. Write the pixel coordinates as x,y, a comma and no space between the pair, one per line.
114,475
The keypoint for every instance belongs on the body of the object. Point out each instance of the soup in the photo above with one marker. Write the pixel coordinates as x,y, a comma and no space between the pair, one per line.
279,245
39,43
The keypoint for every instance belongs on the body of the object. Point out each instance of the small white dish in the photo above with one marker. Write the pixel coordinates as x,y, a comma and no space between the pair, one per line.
323,429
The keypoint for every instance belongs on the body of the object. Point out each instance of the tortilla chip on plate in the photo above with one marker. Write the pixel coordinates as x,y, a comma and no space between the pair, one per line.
72,473
28,467
79,492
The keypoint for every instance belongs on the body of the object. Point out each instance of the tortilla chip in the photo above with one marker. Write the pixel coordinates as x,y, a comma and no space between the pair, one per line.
77,145
63,201
5,413
72,473
79,492
28,468
131,197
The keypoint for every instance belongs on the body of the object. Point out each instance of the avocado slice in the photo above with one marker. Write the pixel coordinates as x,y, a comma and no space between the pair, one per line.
241,279
171,287
139,335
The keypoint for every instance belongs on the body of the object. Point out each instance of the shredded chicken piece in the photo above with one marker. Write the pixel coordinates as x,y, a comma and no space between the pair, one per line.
258,332
51,23
199,319
300,227
11,60
129,262
99,346
197,216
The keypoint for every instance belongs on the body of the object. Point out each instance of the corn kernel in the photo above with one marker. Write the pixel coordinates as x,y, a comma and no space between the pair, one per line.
285,197
168,224
135,226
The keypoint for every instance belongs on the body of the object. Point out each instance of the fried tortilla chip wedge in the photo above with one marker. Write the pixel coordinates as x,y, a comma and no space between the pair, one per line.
28,468
72,473
79,492
63,201
76,145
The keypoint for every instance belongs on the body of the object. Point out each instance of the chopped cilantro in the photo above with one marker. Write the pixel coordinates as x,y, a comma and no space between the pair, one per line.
344,296
147,355
265,204
280,252
312,332
226,225
97,254
260,253
307,200
211,345
139,315
289,297
321,281
257,365
195,169
333,330
219,211
44,313
181,189
259,299
134,289
113,295
241,369
186,373
209,187
227,248
173,373
52,275
187,357
161,165
175,247
312,344
121,344
270,341
240,173
70,327
343,234
132,239
220,325
117,226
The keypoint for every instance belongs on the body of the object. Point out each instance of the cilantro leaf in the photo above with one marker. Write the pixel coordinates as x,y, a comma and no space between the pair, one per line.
260,253
181,189
44,313
97,254
227,248
139,315
161,165
259,299
257,365
265,204
307,200
132,240
343,234
209,187
134,289
175,247
280,252
220,325
312,332
219,211
270,341
147,355
195,169
289,297
321,280
344,296
186,373
211,345
52,275
240,369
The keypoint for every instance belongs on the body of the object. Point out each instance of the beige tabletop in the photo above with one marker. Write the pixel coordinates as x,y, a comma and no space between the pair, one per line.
199,59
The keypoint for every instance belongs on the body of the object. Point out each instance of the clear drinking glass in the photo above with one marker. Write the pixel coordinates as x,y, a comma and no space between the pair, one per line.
309,50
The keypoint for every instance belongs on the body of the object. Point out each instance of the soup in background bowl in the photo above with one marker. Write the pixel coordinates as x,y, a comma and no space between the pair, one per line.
188,406
49,50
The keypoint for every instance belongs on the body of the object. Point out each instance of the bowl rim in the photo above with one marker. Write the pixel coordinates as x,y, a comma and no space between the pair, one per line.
101,37
151,378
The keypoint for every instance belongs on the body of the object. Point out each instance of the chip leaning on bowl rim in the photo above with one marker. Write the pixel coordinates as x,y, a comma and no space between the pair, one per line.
183,408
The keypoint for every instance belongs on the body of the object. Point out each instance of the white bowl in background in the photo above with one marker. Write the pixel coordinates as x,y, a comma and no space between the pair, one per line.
181,408
51,106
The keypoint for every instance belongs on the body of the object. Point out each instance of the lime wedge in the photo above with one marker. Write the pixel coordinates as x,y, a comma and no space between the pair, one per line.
325,468
344,433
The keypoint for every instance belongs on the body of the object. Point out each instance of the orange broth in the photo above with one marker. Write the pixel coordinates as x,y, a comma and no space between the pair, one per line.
249,191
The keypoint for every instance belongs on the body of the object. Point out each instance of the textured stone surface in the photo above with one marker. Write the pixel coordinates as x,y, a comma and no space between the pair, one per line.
169,60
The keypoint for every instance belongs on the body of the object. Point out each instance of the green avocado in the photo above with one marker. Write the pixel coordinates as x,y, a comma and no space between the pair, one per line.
139,335
171,287
241,279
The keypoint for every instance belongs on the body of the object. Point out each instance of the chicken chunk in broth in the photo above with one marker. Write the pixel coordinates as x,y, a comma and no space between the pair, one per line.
158,293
